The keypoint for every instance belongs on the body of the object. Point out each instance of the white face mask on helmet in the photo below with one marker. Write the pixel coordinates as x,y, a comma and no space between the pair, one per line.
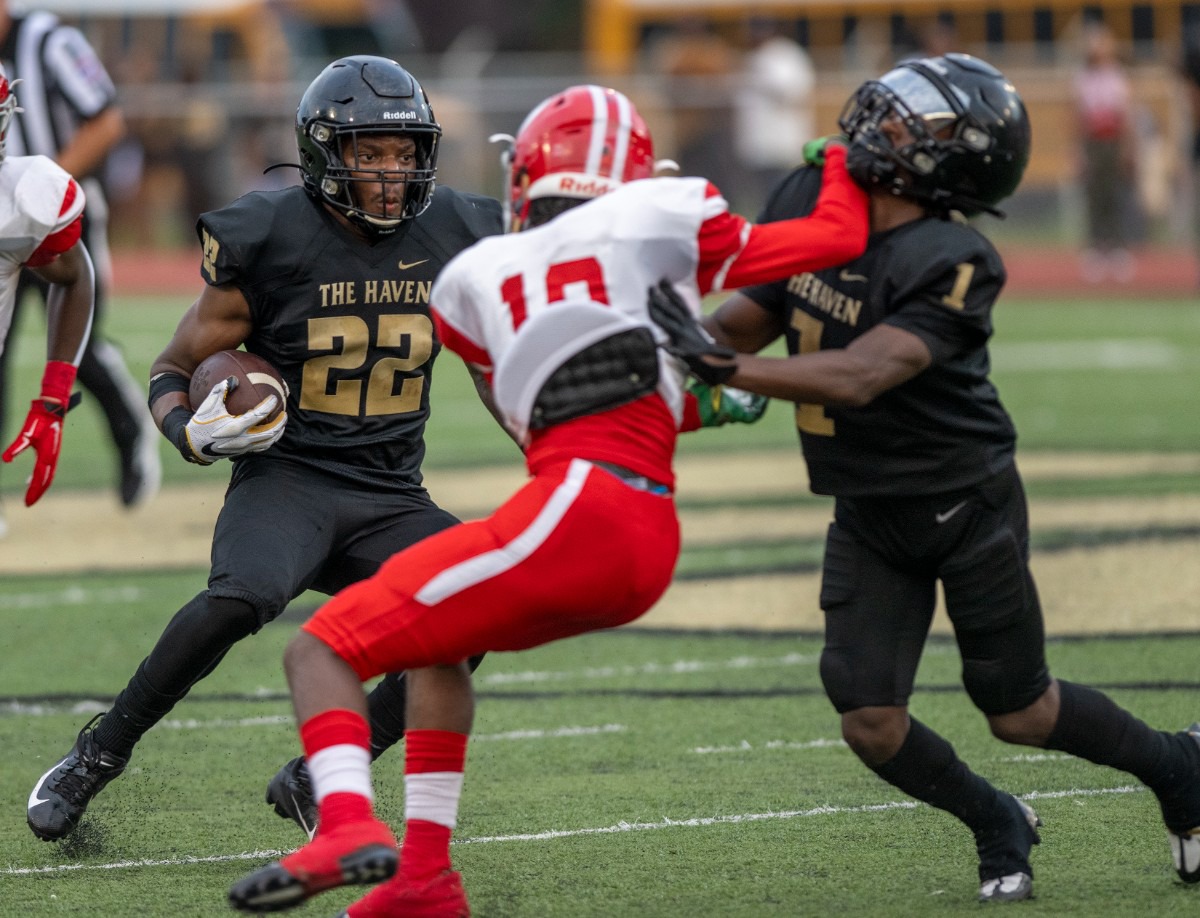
8,108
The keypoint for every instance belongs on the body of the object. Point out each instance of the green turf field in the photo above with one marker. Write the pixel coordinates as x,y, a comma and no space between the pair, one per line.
644,773
1111,375
663,774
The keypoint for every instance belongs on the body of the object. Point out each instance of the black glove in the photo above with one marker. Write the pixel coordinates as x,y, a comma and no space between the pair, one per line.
688,340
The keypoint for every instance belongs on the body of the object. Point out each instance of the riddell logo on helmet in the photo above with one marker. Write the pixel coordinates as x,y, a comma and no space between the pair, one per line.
399,116
591,188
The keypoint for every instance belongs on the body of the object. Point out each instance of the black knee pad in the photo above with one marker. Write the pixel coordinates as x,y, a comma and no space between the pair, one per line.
837,675
196,640
1002,686
236,617
993,605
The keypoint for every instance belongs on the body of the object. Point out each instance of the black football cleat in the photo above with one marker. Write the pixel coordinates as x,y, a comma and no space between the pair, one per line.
1004,871
291,793
1183,832
61,796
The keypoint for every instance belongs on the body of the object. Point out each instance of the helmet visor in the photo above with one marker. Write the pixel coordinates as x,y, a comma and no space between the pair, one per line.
924,99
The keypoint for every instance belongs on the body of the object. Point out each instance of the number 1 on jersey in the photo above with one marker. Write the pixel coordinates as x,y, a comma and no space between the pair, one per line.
810,418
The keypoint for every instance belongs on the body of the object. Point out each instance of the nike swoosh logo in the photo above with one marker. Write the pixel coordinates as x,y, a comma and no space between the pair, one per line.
942,517
852,278
303,822
412,264
34,799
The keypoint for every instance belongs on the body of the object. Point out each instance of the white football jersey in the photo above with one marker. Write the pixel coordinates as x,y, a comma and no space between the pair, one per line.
33,190
594,264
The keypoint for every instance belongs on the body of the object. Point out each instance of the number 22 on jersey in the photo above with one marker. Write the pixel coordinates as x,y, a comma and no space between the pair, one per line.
407,336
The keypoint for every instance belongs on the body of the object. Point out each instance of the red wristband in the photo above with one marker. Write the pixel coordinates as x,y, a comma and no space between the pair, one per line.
58,380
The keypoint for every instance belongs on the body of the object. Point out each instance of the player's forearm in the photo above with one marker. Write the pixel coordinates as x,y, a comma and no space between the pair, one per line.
822,378
835,232
70,306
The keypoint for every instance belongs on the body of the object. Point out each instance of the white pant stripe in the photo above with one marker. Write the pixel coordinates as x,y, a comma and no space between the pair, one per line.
490,564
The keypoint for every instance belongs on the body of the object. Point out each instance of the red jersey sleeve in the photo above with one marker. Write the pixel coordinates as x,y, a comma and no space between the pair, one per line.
460,343
61,240
735,253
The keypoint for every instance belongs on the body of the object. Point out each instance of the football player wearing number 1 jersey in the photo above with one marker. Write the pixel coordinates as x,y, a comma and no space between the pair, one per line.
899,421
329,282
553,322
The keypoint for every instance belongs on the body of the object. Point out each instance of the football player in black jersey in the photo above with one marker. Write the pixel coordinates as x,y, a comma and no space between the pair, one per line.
329,282
900,424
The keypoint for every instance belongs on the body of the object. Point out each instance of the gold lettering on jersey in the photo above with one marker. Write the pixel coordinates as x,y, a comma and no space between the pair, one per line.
957,297
211,247
389,354
339,293
832,302
396,292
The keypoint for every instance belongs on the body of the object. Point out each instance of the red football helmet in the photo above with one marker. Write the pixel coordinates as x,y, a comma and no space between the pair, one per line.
581,143
8,107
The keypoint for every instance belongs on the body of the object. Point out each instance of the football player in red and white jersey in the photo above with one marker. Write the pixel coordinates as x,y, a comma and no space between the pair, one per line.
41,208
553,323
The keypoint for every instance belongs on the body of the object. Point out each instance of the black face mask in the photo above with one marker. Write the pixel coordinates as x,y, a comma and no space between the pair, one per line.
868,160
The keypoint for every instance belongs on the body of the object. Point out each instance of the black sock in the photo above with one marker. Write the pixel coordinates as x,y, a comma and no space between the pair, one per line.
385,713
1091,726
190,647
138,708
926,767
385,710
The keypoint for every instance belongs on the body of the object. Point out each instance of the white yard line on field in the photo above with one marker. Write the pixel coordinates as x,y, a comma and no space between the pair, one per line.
1092,354
665,823
747,746
670,668
286,720
74,596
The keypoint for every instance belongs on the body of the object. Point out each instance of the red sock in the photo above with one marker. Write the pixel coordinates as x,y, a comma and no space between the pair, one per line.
426,850
434,762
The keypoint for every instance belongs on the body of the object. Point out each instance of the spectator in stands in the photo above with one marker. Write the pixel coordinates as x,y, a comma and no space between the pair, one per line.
1103,99
698,64
774,116
1190,68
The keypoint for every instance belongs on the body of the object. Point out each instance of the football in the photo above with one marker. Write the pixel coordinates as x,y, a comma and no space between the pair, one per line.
256,379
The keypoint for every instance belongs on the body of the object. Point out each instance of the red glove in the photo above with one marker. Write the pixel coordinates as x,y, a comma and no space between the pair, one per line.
43,427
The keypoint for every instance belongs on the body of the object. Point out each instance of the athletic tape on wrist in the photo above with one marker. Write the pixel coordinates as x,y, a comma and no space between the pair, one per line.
163,383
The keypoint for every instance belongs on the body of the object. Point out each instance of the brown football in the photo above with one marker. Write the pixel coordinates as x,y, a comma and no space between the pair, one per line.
256,379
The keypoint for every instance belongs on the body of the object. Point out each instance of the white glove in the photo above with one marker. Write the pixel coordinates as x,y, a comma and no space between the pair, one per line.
213,433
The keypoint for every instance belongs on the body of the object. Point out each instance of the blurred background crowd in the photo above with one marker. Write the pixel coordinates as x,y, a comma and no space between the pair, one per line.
208,88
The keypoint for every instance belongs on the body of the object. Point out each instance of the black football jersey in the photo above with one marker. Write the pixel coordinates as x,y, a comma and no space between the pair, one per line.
346,322
945,428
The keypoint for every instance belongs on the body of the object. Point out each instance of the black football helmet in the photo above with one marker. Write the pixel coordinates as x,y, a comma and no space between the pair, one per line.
970,127
357,95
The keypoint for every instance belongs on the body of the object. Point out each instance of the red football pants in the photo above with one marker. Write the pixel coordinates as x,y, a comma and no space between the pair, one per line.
575,550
